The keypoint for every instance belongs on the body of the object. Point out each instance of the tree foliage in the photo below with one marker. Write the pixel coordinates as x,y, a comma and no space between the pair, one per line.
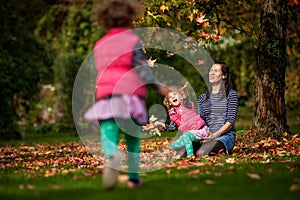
228,30
241,20
24,64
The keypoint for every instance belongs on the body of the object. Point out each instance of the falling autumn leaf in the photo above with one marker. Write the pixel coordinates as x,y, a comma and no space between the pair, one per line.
151,62
201,20
170,54
201,62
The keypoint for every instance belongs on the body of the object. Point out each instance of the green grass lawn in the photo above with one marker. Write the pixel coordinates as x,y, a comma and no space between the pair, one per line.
214,181
266,170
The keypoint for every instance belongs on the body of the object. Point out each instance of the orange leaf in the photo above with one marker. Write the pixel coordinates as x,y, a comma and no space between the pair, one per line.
295,187
193,172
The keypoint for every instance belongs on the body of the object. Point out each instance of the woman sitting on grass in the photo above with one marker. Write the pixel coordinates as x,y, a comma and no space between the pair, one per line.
218,108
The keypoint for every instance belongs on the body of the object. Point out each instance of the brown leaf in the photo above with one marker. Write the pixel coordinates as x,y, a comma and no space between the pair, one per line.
218,174
123,178
209,182
30,187
55,187
21,187
295,187
253,176
168,171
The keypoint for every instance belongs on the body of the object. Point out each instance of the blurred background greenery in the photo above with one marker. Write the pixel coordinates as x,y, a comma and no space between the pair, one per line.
43,44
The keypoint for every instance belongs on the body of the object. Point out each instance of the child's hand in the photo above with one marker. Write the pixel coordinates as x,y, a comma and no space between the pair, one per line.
183,90
185,85
159,124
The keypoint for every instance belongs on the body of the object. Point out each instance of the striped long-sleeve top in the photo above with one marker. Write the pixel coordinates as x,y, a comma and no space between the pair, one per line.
216,111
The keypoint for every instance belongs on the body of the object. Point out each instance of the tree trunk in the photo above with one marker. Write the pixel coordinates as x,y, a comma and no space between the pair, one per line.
269,111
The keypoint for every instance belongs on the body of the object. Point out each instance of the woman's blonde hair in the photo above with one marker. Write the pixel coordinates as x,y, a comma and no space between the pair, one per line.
116,13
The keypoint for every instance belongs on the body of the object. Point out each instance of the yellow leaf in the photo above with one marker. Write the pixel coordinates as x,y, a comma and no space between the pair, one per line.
191,17
179,15
163,8
149,13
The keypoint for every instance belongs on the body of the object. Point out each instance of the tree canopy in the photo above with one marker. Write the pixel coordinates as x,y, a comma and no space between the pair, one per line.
49,47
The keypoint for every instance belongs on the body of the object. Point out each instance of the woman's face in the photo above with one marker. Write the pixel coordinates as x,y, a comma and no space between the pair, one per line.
173,98
215,74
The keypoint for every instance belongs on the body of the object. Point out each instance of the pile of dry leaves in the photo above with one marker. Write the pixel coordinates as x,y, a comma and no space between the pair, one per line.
64,158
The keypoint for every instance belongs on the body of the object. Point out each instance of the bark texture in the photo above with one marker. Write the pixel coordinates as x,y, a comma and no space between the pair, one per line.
269,111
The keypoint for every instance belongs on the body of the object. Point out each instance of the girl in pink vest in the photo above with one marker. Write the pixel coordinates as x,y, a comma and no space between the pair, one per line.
123,74
181,111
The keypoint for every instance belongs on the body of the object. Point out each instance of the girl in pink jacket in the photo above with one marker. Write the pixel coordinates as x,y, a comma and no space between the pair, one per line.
121,88
181,111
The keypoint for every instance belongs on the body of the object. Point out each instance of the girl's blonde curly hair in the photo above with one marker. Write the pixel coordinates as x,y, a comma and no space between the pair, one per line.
166,101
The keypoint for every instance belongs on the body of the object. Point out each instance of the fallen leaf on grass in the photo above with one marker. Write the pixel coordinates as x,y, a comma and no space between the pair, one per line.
123,178
168,171
55,187
30,187
254,176
195,189
230,160
193,172
21,187
295,187
218,174
209,182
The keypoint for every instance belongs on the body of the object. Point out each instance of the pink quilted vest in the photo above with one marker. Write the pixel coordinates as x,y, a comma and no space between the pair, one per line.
185,118
113,58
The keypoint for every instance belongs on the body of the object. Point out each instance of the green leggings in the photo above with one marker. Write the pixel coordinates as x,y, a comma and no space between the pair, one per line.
186,140
110,130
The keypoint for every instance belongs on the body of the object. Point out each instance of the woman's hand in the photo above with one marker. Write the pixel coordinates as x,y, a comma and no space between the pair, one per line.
211,136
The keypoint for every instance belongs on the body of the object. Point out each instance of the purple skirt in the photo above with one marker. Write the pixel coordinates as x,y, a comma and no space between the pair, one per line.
123,106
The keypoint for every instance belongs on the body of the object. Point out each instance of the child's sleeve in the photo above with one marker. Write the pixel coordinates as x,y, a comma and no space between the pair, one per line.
170,127
187,103
142,67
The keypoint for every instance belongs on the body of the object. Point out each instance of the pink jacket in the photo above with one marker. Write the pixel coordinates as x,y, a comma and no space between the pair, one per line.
185,118
113,58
